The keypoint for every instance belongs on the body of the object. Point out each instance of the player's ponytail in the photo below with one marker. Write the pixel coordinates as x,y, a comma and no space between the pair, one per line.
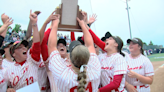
82,81
80,57
122,53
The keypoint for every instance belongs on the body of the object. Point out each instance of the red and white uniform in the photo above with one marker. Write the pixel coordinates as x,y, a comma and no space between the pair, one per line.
142,66
66,79
100,56
42,77
3,83
7,64
112,65
22,75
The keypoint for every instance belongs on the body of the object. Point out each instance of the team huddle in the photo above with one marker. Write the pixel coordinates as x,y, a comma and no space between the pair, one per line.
45,59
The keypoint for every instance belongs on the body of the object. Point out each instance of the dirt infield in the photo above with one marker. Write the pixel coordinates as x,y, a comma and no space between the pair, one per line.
158,83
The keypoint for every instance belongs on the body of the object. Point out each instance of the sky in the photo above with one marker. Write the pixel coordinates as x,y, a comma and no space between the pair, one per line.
146,16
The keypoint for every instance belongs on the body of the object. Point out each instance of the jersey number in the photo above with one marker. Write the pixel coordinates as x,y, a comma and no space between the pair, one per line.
30,80
89,86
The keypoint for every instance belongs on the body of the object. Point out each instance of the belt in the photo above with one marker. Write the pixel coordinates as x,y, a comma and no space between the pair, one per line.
141,86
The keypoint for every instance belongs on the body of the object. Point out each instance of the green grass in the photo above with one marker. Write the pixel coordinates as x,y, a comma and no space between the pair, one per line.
156,57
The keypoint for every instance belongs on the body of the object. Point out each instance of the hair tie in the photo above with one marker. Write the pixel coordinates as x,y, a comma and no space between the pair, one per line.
82,68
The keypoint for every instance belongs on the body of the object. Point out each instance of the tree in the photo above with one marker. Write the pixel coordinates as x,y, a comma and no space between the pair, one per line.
17,27
151,43
144,43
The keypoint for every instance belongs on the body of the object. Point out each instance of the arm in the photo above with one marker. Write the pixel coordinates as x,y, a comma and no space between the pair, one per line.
6,23
41,32
72,36
35,50
113,85
44,48
52,42
87,37
29,31
96,40
148,70
129,87
143,79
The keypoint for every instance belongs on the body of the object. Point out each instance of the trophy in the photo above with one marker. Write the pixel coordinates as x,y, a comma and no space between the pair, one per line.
69,11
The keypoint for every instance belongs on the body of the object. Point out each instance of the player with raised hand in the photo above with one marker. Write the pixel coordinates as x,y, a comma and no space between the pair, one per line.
44,51
3,29
84,73
140,69
25,70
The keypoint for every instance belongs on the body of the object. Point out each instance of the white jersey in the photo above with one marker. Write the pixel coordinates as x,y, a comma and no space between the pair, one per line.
100,56
142,66
66,79
7,64
112,65
42,77
20,76
50,76
3,83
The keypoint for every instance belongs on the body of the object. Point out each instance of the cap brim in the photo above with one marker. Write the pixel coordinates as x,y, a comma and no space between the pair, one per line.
24,42
130,40
7,45
107,35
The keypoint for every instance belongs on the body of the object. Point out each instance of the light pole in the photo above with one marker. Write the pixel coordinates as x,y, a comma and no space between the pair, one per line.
128,18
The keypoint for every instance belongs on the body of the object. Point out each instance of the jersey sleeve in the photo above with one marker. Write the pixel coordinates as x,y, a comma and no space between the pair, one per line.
30,59
56,65
149,70
120,66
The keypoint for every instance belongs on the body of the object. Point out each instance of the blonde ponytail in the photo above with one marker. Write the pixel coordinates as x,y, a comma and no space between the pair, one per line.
82,81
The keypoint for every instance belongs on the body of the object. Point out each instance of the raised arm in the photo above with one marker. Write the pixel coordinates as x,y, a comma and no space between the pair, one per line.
5,19
41,32
87,37
96,39
52,42
5,26
35,50
29,29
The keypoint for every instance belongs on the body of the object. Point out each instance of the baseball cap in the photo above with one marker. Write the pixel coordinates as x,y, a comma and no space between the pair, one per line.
135,40
16,45
2,51
73,45
80,40
7,44
108,34
103,39
62,41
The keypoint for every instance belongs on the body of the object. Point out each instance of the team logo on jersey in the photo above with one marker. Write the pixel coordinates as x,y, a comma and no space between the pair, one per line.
135,68
107,68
